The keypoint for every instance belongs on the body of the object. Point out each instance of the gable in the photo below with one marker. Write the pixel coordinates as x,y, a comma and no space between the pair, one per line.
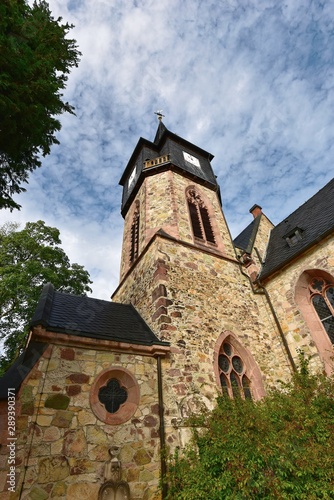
245,240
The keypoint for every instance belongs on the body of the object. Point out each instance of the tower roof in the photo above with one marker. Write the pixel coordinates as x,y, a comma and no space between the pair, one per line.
160,131
167,151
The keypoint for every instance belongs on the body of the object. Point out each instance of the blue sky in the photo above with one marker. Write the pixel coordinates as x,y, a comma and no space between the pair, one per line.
252,82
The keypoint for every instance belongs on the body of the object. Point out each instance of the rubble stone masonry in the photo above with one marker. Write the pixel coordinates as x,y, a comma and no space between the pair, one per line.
296,327
62,447
189,297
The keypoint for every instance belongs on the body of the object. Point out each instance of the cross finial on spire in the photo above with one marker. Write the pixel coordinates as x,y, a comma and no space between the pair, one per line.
159,115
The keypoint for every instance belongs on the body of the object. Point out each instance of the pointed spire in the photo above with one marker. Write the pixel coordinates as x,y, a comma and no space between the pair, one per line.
160,131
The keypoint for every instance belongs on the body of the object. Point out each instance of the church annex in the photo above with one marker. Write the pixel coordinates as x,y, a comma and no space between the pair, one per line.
103,386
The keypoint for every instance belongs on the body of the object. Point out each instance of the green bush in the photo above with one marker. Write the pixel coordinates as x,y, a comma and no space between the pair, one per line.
281,447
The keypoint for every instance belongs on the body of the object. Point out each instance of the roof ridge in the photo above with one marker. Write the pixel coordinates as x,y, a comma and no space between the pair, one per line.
160,132
44,306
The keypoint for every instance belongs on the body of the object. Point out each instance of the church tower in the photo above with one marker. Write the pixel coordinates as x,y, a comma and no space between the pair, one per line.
180,271
165,183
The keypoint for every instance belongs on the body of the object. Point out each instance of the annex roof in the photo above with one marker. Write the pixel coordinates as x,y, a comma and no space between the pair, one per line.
17,372
81,316
310,223
94,318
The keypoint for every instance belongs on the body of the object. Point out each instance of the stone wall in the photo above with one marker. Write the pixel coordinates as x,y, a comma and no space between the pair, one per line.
261,240
62,447
282,290
189,297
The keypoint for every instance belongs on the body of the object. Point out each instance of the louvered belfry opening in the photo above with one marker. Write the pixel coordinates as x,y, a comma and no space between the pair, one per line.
134,248
207,225
195,220
200,219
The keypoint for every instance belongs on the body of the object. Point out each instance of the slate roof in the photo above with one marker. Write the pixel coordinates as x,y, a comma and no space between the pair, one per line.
81,316
17,372
165,143
315,221
245,240
93,318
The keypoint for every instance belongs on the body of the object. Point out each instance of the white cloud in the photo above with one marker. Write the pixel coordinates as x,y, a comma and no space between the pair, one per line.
251,82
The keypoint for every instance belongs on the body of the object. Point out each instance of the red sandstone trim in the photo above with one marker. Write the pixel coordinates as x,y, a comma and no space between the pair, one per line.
252,370
127,409
39,333
318,332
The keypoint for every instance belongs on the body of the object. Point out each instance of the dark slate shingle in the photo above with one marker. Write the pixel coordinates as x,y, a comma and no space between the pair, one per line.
314,220
245,240
18,371
94,318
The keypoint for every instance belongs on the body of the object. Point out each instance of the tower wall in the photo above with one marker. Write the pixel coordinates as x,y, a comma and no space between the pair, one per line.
193,298
162,205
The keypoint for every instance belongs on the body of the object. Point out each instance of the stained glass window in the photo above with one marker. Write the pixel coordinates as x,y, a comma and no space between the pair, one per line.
322,297
224,363
246,387
237,364
233,379
112,395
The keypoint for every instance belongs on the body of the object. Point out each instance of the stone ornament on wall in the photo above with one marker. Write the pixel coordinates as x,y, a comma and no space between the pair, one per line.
193,404
114,396
114,488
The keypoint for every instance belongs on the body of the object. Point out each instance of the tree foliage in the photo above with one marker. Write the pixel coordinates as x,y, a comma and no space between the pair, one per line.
29,259
279,448
35,59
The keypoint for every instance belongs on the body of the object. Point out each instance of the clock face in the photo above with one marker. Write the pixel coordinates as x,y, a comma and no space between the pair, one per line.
191,159
132,177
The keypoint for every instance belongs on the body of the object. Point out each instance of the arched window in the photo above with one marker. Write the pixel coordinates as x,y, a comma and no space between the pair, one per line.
322,298
199,217
236,371
233,372
314,296
134,243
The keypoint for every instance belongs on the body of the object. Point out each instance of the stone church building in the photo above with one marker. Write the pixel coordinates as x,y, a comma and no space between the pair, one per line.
103,386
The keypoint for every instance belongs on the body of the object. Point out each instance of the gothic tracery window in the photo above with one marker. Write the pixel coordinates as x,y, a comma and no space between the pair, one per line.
199,217
112,395
322,298
134,243
232,372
